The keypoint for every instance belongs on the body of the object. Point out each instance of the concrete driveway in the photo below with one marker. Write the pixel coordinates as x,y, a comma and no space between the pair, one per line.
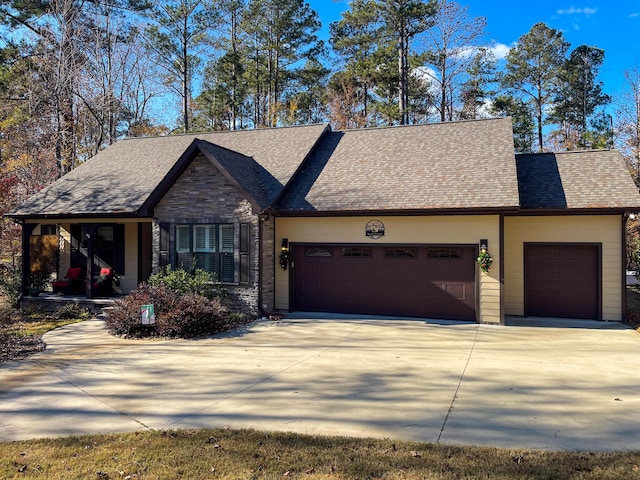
551,387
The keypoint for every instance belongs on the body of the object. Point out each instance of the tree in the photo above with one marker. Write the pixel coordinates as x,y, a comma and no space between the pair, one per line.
283,33
523,123
307,95
451,45
532,71
373,35
229,69
178,31
402,21
578,96
347,108
353,39
628,122
475,91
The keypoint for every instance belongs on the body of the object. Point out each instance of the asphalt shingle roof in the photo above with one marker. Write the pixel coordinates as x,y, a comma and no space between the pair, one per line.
594,179
119,179
439,166
457,165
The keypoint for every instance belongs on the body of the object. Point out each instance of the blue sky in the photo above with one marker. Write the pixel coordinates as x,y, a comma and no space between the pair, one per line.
612,25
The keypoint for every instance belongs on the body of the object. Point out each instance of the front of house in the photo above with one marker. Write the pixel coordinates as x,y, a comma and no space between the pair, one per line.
383,221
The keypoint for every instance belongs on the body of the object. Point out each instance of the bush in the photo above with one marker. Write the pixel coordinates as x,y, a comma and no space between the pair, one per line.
71,311
195,280
177,314
11,283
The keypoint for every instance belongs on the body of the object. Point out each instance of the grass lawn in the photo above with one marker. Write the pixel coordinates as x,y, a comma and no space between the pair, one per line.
247,454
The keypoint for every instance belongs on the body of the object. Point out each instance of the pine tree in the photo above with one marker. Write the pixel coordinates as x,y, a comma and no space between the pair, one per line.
532,71
579,96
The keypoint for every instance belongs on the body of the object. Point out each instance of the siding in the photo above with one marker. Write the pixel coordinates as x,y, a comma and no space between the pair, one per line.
449,229
605,229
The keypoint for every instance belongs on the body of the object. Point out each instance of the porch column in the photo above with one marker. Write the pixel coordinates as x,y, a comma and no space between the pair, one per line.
90,232
27,229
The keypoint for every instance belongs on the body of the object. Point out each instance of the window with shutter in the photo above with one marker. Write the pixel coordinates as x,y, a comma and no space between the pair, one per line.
213,247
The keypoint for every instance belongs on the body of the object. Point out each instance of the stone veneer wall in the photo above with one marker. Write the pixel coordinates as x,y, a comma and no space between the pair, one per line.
203,195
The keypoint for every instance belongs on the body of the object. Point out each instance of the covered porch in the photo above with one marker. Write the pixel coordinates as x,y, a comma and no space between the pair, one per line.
85,258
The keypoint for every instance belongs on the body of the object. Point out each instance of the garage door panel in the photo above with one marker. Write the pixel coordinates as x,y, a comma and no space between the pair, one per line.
562,280
404,281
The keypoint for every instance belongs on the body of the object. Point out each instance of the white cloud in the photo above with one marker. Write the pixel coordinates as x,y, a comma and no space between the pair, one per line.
634,15
577,11
500,50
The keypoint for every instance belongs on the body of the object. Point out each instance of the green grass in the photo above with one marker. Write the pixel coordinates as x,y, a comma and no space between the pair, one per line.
247,454
42,326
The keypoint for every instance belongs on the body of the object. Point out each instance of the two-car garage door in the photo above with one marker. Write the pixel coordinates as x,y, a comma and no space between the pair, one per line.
419,281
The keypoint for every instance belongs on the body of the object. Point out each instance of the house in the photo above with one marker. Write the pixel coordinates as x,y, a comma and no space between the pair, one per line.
378,221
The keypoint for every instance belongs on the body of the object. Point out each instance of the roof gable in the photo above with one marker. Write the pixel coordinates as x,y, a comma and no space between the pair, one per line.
438,166
122,179
592,179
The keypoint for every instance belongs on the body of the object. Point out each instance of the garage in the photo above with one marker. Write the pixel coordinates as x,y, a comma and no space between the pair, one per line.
562,280
407,280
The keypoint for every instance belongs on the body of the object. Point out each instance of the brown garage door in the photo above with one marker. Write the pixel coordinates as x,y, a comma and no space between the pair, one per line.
562,280
417,281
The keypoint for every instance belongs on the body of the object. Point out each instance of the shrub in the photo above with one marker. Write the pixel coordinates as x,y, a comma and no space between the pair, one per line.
70,311
11,283
177,314
194,280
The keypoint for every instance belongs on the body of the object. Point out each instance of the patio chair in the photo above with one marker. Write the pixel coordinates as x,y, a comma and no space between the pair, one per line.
103,285
73,282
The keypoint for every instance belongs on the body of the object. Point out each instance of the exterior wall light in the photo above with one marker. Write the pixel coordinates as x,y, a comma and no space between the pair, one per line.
284,253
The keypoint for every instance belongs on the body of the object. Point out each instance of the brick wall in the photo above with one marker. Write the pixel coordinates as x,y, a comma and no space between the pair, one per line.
203,195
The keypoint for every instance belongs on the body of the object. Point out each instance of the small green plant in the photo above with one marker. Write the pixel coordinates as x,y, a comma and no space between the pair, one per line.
38,282
195,280
71,311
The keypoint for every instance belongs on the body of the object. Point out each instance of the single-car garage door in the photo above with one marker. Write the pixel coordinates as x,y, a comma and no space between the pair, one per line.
562,280
417,281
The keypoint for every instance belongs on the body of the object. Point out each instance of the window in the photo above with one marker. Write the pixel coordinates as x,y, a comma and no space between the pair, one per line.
357,252
211,247
318,252
400,253
48,229
444,253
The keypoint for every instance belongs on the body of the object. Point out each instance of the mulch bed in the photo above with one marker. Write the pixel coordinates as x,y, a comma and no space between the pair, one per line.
14,346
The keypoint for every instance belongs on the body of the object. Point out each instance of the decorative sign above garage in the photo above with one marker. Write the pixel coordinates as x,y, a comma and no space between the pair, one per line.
374,229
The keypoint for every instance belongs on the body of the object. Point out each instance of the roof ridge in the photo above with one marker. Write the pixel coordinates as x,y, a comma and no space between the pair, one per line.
453,122
220,132
565,152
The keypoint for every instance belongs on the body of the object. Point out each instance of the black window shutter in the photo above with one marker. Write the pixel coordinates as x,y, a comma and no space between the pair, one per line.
164,245
244,253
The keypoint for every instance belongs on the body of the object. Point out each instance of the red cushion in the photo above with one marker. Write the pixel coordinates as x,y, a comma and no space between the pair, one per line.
73,273
106,271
